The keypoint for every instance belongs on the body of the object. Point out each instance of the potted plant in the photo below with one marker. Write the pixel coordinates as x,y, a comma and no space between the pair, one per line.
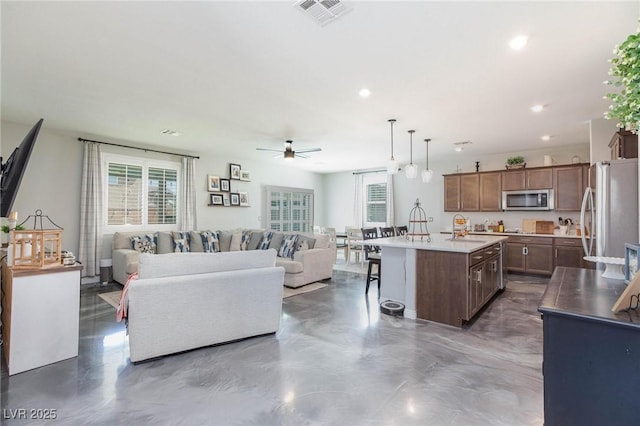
5,233
625,68
516,162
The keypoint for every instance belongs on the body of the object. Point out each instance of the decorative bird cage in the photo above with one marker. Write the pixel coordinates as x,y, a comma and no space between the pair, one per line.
39,247
418,224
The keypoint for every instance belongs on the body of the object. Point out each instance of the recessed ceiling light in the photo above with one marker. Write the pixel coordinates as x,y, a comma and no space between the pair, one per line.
546,138
518,42
364,93
170,132
537,108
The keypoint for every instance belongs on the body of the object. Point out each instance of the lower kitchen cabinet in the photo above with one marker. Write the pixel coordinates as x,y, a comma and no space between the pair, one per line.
569,252
533,255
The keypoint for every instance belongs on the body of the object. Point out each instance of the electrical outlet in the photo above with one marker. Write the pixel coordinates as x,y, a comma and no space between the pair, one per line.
430,219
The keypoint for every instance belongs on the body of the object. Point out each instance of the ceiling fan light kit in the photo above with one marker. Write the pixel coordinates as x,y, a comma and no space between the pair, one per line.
411,170
289,153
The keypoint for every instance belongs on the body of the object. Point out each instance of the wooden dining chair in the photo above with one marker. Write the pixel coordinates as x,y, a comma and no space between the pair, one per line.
387,231
401,230
354,244
372,255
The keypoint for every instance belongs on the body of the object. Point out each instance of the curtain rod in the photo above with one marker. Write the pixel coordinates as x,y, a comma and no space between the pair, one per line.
369,171
141,149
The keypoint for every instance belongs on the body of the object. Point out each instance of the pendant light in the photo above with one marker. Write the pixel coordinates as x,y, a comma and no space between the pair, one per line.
426,173
411,169
392,165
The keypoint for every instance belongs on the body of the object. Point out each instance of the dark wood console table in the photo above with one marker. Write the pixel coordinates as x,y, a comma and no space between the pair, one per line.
591,358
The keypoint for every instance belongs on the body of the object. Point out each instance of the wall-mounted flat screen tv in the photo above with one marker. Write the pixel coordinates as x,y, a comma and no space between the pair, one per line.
13,170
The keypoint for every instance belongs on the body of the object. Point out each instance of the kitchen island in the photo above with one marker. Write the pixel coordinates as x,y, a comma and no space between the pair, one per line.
444,280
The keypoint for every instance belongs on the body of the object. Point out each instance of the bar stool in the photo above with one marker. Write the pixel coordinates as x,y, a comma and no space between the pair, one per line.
372,255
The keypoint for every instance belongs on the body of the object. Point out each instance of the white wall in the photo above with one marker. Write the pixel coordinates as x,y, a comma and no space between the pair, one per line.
52,183
340,189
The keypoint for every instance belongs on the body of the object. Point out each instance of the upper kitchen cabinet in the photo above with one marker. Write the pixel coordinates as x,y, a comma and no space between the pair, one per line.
624,144
490,192
461,193
452,193
538,178
569,187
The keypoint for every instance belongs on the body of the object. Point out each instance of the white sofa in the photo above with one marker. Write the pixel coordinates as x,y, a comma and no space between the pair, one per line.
183,301
308,265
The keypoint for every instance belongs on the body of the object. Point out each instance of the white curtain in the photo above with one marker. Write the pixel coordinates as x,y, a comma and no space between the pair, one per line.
90,248
188,220
391,220
358,200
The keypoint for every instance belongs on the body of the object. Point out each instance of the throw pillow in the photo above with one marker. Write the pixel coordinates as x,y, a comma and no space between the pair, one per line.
180,242
288,246
225,240
246,239
144,243
164,242
266,240
236,241
210,241
195,242
276,240
310,242
256,239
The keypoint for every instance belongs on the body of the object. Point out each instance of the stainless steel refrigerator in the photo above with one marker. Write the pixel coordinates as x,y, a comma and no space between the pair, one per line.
610,208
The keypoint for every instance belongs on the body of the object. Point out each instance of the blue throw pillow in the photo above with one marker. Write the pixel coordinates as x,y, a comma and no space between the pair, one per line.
246,239
210,241
144,243
181,242
266,240
288,246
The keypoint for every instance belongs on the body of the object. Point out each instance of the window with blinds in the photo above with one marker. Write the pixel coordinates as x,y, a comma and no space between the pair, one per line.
139,193
289,209
376,203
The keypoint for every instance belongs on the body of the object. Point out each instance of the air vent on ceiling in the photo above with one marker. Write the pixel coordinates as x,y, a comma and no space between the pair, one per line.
322,11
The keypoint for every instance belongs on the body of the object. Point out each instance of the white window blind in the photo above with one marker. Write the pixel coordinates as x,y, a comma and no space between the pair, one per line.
289,209
377,203
140,192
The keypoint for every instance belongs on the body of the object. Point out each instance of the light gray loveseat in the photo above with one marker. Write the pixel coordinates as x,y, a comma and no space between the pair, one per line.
312,260
186,301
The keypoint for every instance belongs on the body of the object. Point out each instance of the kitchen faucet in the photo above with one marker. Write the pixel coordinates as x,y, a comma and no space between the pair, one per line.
453,225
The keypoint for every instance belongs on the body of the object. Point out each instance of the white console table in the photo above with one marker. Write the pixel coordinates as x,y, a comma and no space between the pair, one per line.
40,315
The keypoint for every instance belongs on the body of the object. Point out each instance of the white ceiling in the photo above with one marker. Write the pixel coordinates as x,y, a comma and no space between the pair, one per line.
233,76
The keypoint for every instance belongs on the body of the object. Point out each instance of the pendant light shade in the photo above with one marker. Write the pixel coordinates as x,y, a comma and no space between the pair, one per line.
392,164
427,174
411,170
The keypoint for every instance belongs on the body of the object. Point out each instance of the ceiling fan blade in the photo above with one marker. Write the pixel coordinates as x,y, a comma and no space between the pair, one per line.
298,155
267,149
309,150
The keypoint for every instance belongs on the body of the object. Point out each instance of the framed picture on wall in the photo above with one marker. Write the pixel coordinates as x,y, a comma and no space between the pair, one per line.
234,171
245,175
213,183
225,185
225,200
244,199
216,199
235,199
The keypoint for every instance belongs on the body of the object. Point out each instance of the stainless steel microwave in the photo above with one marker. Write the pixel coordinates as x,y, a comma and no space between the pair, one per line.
533,199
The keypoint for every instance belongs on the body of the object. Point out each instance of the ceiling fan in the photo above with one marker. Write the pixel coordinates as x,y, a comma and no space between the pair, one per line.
289,153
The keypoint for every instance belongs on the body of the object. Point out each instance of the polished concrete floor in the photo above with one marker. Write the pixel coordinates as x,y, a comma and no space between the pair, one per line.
335,361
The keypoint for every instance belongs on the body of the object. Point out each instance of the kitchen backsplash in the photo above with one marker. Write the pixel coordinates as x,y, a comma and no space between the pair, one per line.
512,220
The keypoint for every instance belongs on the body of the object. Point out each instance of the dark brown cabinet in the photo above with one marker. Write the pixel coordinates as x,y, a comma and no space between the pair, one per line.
533,255
538,178
455,286
452,193
469,192
490,192
569,252
569,187
624,144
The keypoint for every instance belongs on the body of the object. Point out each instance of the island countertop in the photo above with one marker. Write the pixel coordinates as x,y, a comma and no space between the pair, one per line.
441,242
